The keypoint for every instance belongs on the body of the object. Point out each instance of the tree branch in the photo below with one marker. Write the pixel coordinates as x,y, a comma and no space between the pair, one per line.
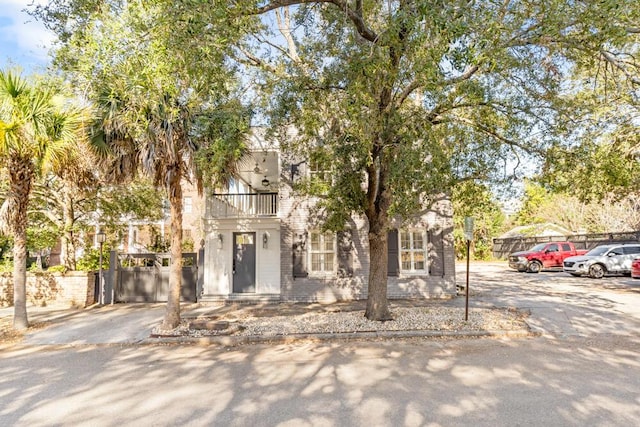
258,62
611,59
415,84
355,16
272,44
408,91
469,72
284,25
497,136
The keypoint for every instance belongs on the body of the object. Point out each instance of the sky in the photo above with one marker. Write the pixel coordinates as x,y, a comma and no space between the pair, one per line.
23,41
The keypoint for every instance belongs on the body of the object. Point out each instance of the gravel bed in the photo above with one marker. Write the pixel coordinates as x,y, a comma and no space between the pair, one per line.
405,319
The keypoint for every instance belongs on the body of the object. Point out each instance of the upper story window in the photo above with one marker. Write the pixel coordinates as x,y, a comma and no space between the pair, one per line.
319,171
187,205
322,252
413,251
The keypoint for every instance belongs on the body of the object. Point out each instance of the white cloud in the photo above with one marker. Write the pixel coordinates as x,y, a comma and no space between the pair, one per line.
22,38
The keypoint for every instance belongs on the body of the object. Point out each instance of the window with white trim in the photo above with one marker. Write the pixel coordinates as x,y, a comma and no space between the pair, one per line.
413,251
322,252
187,205
319,171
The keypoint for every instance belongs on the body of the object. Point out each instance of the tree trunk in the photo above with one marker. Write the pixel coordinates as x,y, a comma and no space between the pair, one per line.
379,198
68,247
172,313
20,177
20,320
377,303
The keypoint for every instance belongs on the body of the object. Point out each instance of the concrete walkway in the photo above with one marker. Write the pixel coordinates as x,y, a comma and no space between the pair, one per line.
94,325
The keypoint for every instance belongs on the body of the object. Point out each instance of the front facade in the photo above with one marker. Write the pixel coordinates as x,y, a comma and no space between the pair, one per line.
263,243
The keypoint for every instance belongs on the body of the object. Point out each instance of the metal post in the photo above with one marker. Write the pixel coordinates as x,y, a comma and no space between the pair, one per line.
466,304
468,235
113,294
101,237
100,277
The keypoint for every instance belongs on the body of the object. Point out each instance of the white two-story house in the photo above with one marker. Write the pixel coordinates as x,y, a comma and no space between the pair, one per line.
263,243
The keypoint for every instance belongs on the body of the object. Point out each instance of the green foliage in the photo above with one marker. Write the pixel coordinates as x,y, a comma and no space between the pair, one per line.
57,269
6,265
162,245
592,170
534,197
598,155
5,246
188,245
407,97
91,259
42,238
138,200
164,93
34,267
159,245
611,213
61,209
220,132
40,131
423,97
475,200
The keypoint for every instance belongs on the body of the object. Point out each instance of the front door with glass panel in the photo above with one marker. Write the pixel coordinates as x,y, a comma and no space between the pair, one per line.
244,262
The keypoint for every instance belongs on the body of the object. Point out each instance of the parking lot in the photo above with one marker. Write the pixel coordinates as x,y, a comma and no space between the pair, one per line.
560,304
499,271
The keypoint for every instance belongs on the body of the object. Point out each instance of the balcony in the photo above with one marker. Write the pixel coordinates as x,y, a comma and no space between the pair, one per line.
242,205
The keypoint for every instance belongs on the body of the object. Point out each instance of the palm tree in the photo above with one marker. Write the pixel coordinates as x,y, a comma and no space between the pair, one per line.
165,135
38,130
158,88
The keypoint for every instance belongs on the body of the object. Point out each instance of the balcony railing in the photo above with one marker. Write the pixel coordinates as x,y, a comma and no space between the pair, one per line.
242,205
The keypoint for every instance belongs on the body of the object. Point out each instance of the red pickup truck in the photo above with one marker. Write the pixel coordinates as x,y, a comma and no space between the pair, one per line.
543,256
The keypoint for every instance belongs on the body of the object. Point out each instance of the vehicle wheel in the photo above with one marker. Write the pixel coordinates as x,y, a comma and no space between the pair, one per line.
596,271
534,267
575,274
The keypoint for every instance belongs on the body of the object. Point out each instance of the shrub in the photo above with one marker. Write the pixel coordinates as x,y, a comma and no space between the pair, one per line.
57,269
91,260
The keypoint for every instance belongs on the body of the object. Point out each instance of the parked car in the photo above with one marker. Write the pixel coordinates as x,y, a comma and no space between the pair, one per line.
635,268
543,256
601,260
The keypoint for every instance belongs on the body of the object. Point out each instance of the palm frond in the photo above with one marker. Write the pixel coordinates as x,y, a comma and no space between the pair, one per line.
12,85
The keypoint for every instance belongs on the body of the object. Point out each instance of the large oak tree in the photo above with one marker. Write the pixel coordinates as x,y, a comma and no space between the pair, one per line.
411,96
405,96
